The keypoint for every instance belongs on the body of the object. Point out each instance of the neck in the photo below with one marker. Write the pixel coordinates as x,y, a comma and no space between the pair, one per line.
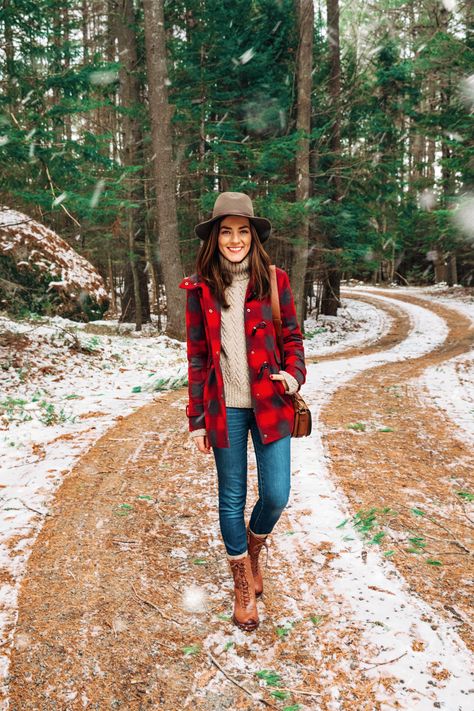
239,270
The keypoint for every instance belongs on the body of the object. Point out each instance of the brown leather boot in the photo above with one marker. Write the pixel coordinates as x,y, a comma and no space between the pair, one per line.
245,606
255,545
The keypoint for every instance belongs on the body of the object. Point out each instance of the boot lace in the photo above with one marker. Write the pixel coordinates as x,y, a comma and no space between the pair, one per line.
242,582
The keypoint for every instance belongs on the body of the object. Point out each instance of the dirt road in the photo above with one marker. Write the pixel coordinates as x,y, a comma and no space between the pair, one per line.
127,598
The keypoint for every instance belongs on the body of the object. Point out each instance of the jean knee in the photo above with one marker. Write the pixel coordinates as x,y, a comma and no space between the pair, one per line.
234,506
277,500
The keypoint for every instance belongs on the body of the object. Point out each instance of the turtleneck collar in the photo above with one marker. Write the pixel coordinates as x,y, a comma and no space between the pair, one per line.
239,270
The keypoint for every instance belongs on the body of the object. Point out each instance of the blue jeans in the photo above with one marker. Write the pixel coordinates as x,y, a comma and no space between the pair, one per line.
274,474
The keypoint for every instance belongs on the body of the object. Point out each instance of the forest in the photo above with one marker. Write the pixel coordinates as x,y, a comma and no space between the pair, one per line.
348,123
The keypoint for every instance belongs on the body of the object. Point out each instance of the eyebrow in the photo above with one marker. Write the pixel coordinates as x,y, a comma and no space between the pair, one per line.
241,227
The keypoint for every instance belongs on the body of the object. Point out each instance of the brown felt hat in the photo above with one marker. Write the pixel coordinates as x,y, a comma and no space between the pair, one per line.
234,204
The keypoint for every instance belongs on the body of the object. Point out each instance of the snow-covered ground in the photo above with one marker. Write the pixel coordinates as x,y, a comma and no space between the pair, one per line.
55,401
356,323
59,400
366,592
404,615
449,385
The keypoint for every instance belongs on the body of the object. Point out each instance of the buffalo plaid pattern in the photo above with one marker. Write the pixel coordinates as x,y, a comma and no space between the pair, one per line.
273,408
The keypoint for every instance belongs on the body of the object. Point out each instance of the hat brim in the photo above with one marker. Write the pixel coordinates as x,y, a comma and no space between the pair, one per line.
261,224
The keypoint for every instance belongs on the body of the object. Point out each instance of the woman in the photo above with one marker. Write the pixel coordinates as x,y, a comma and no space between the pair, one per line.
236,383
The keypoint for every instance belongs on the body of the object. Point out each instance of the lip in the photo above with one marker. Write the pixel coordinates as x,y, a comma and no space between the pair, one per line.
235,250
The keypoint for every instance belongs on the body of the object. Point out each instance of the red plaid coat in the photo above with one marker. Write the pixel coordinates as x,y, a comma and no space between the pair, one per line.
273,408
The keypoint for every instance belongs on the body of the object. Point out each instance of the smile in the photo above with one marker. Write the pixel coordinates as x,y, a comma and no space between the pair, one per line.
234,249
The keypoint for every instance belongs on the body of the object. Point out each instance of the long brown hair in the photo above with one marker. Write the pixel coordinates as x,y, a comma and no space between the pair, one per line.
210,271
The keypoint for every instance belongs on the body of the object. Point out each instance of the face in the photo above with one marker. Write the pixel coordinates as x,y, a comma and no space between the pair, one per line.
234,237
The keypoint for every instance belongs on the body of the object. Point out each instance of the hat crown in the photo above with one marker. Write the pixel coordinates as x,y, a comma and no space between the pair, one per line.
230,203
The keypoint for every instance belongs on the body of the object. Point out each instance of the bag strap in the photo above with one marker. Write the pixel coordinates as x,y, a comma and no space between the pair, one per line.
276,310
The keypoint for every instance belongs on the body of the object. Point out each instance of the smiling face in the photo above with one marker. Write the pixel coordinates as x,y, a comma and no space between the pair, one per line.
234,238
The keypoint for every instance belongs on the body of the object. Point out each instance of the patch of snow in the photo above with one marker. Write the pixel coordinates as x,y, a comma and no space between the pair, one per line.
33,244
55,402
450,384
403,615
356,322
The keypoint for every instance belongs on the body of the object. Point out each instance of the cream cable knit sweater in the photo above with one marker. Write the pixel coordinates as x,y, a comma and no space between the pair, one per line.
234,365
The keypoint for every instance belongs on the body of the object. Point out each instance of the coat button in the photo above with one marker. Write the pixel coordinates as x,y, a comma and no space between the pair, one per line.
210,311
252,352
186,283
257,394
265,435
248,310
217,352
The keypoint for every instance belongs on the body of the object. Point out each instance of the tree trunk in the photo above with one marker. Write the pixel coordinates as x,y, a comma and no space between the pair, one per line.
111,284
439,265
305,13
160,117
136,304
452,270
330,301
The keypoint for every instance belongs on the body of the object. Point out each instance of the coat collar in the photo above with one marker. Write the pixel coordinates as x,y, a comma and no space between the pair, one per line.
190,282
193,282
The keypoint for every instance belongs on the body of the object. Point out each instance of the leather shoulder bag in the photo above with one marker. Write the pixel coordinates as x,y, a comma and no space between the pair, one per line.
302,422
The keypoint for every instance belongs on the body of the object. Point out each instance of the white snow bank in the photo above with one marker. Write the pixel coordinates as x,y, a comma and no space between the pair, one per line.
449,385
35,246
356,323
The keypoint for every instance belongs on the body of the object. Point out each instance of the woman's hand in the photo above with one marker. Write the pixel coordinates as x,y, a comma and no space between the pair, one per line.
277,376
202,443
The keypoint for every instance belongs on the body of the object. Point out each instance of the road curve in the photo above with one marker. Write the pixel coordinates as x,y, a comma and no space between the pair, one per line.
102,620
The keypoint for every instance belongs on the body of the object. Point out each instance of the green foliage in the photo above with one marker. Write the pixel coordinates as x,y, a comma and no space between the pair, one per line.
232,70
123,510
271,678
191,650
357,426
25,291
366,521
284,630
465,495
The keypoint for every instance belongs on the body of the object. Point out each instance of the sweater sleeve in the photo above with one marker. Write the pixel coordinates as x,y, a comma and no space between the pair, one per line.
197,433
293,384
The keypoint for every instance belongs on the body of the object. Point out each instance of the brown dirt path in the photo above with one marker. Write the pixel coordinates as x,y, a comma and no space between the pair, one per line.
420,464
101,619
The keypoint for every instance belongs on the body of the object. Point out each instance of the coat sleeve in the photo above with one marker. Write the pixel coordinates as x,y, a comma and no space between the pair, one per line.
291,333
197,355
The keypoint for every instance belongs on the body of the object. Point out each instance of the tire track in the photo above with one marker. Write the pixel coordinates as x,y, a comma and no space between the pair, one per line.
397,332
420,464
